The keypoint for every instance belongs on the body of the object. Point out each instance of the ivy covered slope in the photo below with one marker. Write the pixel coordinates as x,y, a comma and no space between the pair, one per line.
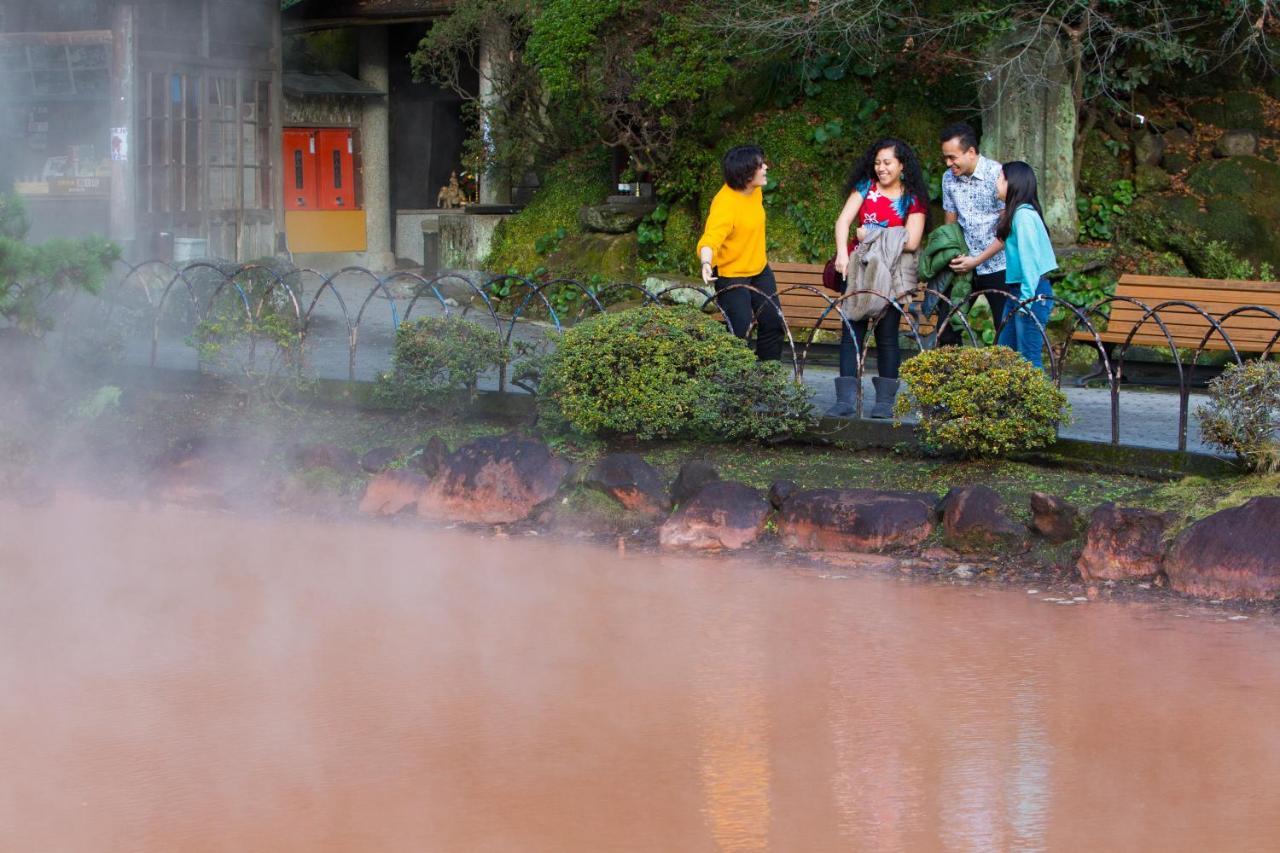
811,141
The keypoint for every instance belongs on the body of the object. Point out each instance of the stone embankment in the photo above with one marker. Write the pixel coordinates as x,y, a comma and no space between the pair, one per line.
517,480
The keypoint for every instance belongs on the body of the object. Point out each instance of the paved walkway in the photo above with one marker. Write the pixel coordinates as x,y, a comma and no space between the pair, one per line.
1148,416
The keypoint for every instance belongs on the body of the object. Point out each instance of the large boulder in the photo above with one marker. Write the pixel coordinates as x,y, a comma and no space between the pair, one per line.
631,481
1242,197
612,257
1148,148
393,492
493,480
693,475
378,458
613,217
780,491
683,291
723,514
1176,137
973,517
855,519
1231,110
1099,167
1123,543
1176,162
1172,222
430,457
1236,143
332,456
1148,178
1053,518
1230,554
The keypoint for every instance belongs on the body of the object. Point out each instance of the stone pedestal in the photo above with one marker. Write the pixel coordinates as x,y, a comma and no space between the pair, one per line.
417,237
464,238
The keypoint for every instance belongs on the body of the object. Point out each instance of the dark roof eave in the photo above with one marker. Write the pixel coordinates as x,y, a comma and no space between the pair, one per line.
329,83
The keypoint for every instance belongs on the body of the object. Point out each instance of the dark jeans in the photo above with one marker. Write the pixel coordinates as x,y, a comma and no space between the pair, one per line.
991,284
740,306
888,355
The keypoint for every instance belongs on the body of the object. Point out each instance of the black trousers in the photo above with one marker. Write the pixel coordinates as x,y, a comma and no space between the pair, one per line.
741,305
993,286
888,353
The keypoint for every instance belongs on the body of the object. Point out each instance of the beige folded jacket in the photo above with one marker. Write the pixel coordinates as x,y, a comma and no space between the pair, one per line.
879,270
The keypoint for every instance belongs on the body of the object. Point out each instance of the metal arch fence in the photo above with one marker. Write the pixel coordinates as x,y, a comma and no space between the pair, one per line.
505,300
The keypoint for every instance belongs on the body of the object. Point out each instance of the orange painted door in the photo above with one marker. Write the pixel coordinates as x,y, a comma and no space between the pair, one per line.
334,149
301,181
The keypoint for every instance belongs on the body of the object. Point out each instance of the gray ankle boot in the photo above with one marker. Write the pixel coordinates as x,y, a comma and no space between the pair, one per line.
846,396
886,393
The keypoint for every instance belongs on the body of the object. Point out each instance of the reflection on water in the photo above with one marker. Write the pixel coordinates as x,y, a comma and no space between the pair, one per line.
184,681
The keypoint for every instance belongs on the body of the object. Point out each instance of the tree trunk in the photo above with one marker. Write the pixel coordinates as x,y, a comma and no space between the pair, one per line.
1029,114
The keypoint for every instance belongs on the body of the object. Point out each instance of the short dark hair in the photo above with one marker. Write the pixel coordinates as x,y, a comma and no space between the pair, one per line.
963,133
740,165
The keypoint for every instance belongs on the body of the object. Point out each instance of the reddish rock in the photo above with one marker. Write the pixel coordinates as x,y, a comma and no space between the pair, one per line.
1053,518
209,470
860,561
1234,553
431,456
723,514
780,491
392,492
378,458
855,519
693,476
973,516
1123,544
631,481
331,456
493,480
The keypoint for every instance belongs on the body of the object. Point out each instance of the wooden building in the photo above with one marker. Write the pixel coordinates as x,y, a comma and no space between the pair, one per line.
156,122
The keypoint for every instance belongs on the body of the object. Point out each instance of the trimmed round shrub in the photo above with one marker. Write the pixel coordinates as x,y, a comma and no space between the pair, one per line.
1243,414
659,372
435,358
986,401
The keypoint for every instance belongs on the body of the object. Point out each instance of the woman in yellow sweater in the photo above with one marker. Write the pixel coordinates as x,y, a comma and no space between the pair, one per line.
731,250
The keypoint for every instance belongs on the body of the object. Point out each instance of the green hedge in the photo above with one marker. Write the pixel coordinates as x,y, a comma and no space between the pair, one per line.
657,372
987,401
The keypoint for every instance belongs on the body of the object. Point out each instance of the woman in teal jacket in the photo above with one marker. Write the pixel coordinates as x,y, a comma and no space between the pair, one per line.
1029,256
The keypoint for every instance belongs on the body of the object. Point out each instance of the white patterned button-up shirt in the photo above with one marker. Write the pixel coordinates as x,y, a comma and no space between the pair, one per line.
973,199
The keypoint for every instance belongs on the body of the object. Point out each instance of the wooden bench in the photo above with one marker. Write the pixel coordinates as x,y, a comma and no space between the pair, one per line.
802,308
1251,332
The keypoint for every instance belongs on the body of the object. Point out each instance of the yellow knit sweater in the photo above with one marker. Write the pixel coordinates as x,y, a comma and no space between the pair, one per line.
735,232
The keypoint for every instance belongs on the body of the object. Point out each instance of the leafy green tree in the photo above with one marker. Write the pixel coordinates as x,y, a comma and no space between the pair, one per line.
510,129
31,275
1108,47
641,73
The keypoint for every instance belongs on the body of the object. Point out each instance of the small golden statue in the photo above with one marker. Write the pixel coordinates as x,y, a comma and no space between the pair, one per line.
451,195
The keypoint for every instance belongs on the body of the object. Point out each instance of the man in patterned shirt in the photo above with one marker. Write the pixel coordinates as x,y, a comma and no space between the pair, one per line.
969,197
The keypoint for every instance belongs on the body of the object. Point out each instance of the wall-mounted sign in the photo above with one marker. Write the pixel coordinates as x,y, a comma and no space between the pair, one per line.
120,144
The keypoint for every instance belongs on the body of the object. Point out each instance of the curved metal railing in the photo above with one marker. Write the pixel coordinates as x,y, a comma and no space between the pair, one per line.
505,301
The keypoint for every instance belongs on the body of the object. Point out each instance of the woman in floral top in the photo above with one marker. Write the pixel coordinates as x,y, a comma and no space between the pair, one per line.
886,189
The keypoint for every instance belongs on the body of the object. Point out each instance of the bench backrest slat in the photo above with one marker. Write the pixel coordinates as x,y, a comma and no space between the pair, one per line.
1249,331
